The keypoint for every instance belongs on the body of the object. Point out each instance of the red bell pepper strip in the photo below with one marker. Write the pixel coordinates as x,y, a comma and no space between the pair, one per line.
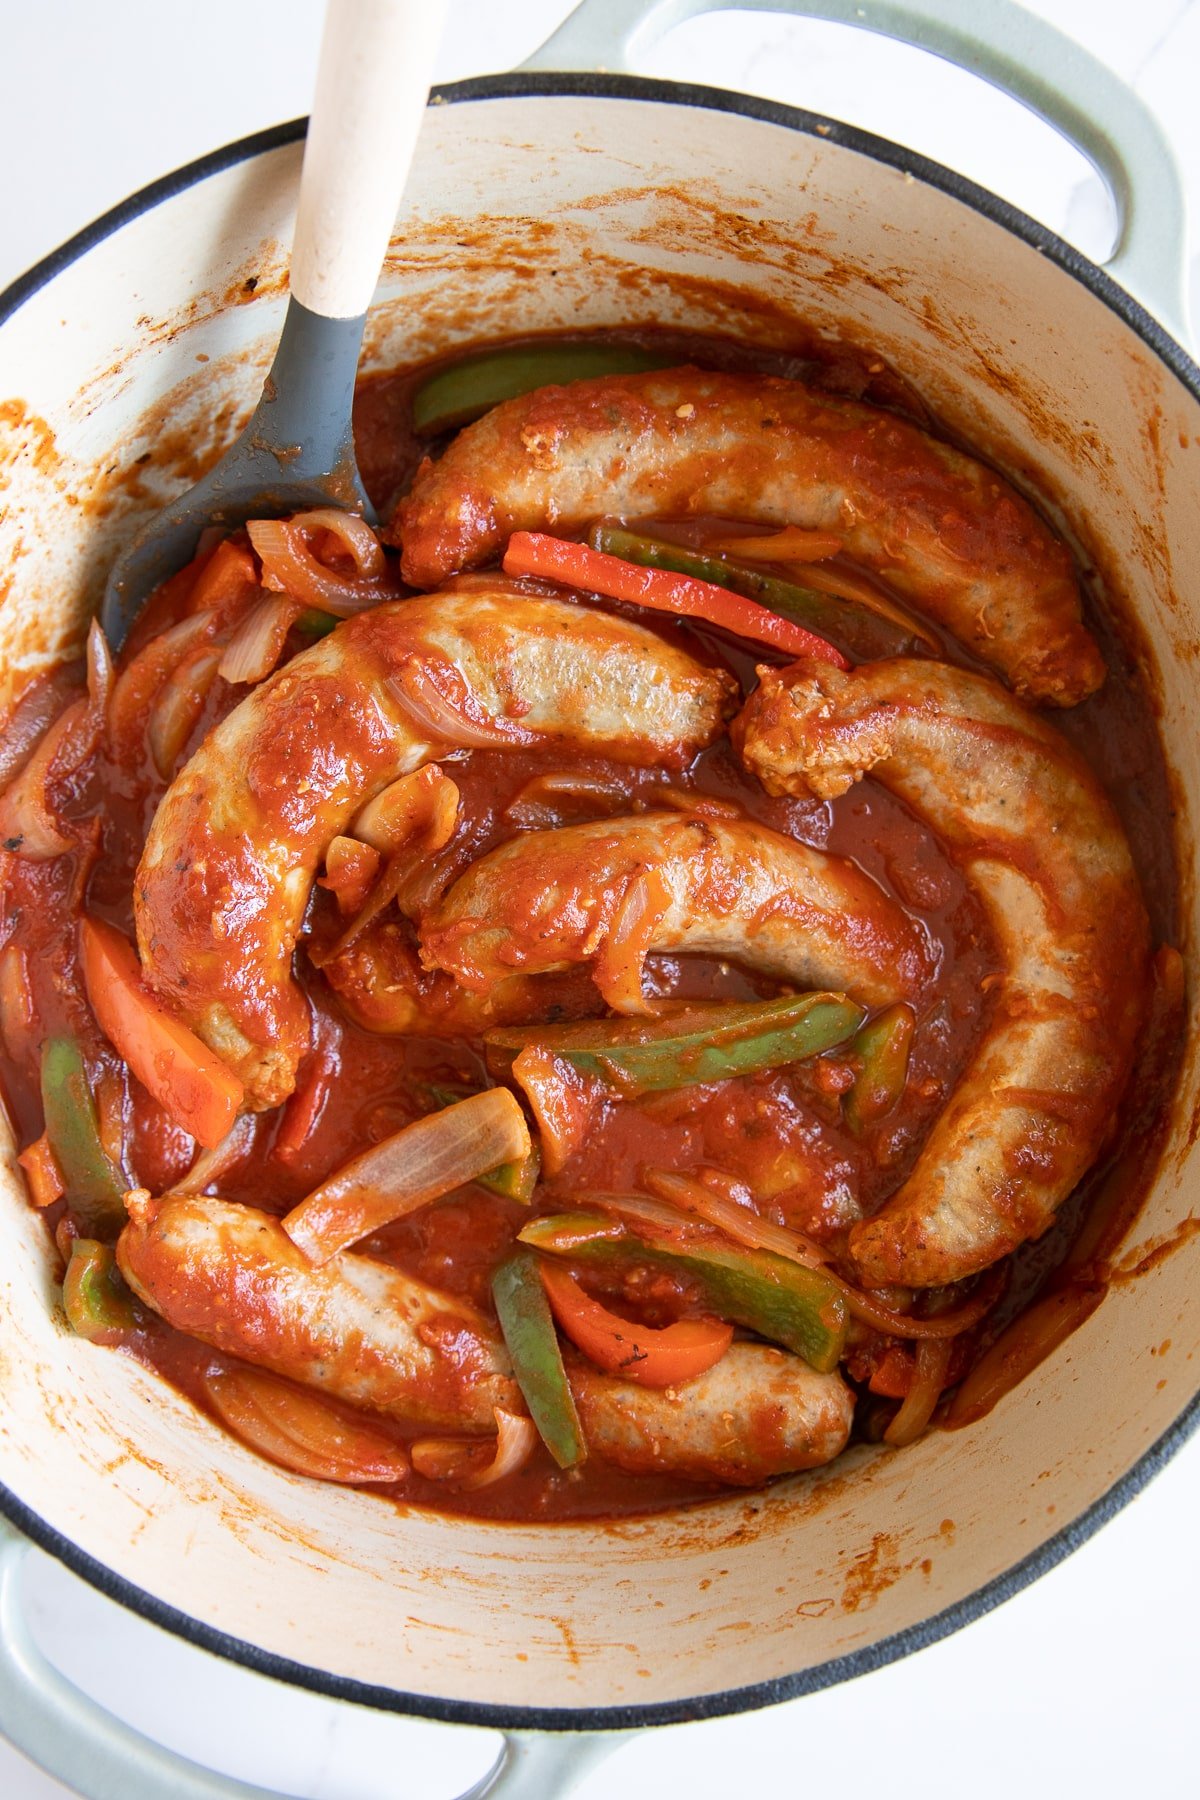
659,1358
184,1076
662,590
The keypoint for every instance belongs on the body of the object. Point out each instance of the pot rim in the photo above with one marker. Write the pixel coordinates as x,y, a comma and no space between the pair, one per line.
1068,1537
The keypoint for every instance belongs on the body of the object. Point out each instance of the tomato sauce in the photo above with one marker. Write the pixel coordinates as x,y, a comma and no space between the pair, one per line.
780,1133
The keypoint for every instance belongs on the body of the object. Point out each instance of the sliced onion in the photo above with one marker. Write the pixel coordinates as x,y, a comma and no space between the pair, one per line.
257,644
212,1165
352,532
178,708
929,1378
137,685
741,1223
290,567
617,970
539,805
456,1459
350,869
421,806
848,584
28,824
437,699
746,1227
99,672
16,1002
637,1206
305,1432
420,1163
31,718
685,800
791,544
384,891
563,1102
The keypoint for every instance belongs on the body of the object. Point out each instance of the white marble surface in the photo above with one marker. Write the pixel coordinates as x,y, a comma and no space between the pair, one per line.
1085,1683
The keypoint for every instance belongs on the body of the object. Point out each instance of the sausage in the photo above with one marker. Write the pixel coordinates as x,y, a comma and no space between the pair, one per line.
232,1277
1039,841
948,534
368,1334
737,889
758,1412
225,876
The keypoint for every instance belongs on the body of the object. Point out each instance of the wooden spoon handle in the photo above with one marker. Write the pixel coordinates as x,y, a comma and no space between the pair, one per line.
372,87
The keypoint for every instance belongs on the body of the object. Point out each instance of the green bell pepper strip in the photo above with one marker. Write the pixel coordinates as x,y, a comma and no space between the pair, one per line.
883,1046
528,1328
95,1296
706,1043
315,624
800,1308
854,628
511,1180
95,1187
465,390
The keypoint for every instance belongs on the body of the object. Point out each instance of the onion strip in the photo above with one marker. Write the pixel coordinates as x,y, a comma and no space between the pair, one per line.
290,566
847,584
539,805
17,1011
756,1233
32,717
257,644
689,801
438,701
422,805
304,1432
916,1409
415,1165
178,707
143,678
617,970
212,1164
28,825
456,1459
741,1223
351,868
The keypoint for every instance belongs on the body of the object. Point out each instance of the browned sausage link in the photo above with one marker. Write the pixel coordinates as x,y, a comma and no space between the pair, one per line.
759,1412
948,534
737,889
232,854
230,1276
1045,852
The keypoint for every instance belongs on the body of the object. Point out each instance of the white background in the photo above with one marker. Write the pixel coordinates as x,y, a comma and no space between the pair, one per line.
1087,1682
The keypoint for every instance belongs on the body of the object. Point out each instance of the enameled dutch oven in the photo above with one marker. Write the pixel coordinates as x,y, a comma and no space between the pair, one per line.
543,200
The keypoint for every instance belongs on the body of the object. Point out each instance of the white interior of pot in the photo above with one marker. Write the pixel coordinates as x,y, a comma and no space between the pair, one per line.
531,213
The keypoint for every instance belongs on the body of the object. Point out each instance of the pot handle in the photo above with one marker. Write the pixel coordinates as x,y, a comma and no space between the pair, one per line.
76,1741
1013,49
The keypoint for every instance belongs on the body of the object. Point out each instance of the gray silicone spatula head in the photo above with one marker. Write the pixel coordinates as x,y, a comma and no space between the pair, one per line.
297,451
